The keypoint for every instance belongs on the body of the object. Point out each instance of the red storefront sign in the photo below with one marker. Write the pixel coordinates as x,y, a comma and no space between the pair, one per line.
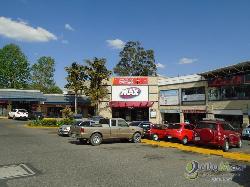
234,80
194,111
130,81
133,104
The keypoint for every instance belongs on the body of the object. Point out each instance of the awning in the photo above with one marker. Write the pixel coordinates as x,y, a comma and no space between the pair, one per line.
134,104
228,112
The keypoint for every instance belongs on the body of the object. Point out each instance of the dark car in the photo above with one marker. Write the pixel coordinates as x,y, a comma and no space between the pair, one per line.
34,115
145,125
218,133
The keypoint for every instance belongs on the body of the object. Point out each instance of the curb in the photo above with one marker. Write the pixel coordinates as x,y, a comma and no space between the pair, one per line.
39,127
230,155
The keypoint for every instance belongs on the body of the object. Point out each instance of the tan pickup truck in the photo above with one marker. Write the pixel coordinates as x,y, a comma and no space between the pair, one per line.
114,128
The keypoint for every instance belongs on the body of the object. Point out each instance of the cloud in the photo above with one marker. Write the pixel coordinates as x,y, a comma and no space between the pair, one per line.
21,31
68,27
65,41
116,44
159,65
187,60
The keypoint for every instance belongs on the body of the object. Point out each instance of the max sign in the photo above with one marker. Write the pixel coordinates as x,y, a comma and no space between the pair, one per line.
131,92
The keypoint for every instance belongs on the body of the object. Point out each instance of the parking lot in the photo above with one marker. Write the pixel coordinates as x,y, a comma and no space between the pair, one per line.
61,161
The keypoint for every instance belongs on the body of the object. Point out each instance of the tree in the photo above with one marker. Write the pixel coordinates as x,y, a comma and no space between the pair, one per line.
96,73
76,79
136,61
14,67
42,75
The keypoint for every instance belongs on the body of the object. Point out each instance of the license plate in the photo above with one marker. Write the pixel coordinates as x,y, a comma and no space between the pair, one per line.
169,136
197,138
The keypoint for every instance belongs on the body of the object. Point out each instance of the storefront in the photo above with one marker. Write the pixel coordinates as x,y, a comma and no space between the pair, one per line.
170,116
55,103
194,116
235,117
25,99
130,98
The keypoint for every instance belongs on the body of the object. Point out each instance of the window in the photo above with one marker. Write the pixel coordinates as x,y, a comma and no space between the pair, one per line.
113,123
174,126
135,123
204,125
227,126
122,123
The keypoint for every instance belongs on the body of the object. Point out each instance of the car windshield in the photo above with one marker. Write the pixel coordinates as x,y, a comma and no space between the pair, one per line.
174,126
22,110
204,125
135,123
85,124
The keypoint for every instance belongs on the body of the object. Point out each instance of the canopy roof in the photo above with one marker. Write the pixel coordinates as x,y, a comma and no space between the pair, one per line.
240,68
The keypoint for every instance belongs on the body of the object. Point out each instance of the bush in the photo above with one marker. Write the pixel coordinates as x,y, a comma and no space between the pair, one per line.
65,121
51,122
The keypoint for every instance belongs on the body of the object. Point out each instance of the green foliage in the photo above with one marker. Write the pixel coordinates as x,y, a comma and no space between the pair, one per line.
51,122
14,67
76,79
67,113
65,121
97,74
42,75
136,61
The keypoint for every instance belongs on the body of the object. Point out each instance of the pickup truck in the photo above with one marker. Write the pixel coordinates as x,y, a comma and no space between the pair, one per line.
114,128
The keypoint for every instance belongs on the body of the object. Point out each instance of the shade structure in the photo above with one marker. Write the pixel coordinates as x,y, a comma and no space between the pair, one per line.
134,104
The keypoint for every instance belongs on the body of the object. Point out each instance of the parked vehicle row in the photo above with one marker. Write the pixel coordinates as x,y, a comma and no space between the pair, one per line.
207,132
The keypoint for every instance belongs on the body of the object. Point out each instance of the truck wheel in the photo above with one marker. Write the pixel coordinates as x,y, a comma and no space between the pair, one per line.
136,137
155,137
239,144
96,139
185,140
225,146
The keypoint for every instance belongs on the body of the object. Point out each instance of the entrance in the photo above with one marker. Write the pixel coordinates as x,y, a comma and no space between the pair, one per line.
131,114
193,118
172,117
235,120
24,105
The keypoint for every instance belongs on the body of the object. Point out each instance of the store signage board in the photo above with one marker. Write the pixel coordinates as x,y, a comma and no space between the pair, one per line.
130,81
129,93
169,97
194,97
222,81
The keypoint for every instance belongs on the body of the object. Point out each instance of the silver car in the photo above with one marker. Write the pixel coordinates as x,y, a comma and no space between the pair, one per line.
246,132
64,130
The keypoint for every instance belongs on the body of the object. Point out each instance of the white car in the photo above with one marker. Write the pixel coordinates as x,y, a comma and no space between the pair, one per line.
246,132
18,114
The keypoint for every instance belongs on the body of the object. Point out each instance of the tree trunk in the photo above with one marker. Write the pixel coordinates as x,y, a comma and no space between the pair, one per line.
75,103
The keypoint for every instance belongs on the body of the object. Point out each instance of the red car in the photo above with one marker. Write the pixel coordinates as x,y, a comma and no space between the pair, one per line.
157,131
181,131
218,133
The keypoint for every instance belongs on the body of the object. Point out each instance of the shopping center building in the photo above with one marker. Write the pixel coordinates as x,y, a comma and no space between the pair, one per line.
221,93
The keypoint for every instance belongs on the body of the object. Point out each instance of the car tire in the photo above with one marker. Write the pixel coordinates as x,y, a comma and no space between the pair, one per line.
184,140
155,137
225,147
9,116
95,139
136,137
239,144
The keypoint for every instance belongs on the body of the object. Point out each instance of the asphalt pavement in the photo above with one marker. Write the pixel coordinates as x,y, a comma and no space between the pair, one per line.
32,157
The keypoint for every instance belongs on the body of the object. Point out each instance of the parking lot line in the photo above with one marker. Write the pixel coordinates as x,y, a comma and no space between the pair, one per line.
231,155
